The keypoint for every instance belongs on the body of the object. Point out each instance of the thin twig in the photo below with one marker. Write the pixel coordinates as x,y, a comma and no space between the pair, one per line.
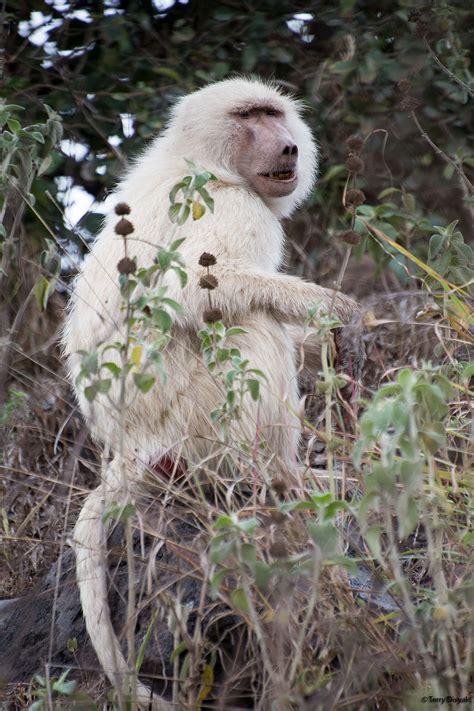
447,71
443,155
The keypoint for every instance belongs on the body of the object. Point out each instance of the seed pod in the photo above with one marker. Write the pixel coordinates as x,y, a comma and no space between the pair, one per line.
355,164
350,237
207,260
208,281
354,197
127,266
279,486
121,208
404,85
409,104
124,227
278,549
212,315
355,143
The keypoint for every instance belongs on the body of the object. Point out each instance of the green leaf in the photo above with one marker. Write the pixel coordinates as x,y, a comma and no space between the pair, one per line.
72,645
103,385
64,687
90,362
44,165
113,368
118,512
162,319
372,538
144,381
409,202
240,600
183,215
207,680
90,393
13,125
172,304
248,525
176,244
436,245
37,136
174,212
218,578
43,290
164,259
235,331
183,276
208,201
145,641
254,388
325,535
181,647
200,180
224,522
248,554
222,551
289,506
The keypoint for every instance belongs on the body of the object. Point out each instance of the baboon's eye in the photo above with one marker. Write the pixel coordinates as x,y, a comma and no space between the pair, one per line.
244,114
271,112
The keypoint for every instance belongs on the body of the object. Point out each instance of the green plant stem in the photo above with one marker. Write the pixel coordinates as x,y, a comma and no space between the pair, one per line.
131,595
328,413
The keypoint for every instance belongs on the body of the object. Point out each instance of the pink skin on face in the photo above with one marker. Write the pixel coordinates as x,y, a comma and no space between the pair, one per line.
266,155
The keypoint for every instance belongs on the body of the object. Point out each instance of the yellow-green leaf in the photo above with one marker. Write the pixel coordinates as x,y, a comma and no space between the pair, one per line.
198,210
207,680
136,356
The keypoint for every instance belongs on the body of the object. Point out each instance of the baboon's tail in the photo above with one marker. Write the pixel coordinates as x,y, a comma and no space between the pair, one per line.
90,543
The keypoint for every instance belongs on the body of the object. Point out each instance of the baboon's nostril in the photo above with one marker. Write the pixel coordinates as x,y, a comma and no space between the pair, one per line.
290,150
294,151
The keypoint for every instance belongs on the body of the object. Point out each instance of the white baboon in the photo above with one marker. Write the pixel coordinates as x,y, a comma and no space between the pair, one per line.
251,136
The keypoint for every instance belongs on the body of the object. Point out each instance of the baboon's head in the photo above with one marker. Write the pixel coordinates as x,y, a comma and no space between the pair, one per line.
250,134
266,154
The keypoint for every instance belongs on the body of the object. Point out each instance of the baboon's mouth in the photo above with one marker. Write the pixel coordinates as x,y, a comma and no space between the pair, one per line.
281,175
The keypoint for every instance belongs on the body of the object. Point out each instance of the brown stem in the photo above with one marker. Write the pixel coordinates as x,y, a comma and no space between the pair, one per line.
443,155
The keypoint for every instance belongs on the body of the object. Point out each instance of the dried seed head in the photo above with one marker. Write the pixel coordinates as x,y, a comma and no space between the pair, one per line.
350,237
208,281
207,260
355,197
277,517
121,208
355,164
279,486
212,315
443,24
409,104
414,16
124,227
127,266
278,549
404,85
355,143
421,29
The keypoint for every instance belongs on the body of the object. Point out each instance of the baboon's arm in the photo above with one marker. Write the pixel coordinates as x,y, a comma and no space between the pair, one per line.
285,297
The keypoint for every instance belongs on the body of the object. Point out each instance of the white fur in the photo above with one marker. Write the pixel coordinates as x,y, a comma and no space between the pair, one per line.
245,235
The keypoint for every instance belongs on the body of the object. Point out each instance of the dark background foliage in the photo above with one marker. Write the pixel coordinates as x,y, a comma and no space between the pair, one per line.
103,60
